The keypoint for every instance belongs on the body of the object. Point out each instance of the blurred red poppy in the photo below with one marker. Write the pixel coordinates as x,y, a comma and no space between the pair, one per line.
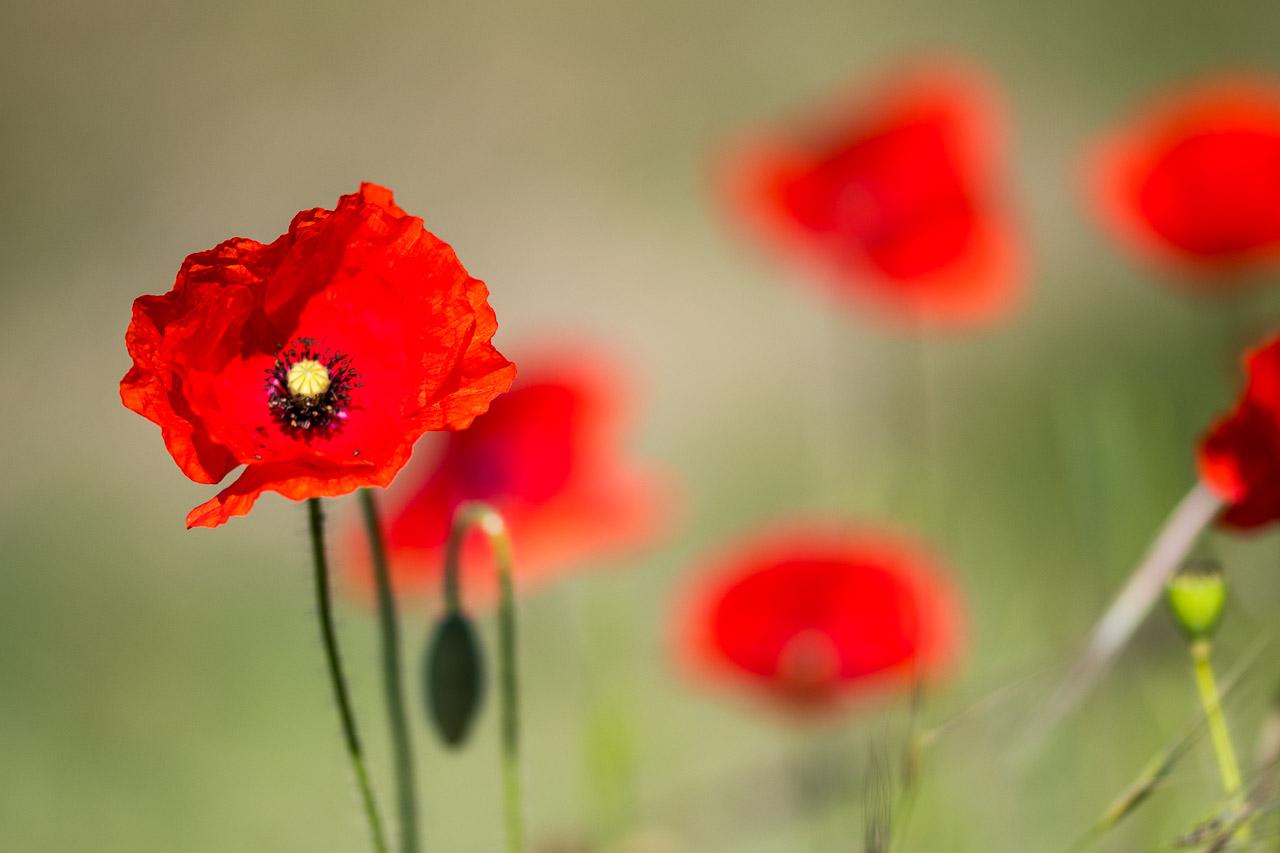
1240,455
549,456
317,360
813,614
892,198
1195,181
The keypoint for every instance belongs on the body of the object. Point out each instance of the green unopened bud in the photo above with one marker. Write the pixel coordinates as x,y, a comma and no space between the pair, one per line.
1197,596
453,679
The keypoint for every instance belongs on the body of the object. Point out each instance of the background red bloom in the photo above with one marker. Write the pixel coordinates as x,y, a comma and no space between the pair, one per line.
549,455
815,613
401,331
1240,455
1195,181
893,198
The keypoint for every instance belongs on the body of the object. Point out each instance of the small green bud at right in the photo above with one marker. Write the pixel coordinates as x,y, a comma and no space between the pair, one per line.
453,679
1197,596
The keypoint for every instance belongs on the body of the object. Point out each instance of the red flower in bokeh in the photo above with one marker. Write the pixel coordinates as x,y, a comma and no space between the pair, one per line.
1240,455
317,360
892,198
1196,180
813,614
549,456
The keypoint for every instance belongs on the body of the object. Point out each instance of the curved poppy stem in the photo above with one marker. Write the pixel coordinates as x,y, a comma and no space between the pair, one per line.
1185,524
486,518
392,681
329,637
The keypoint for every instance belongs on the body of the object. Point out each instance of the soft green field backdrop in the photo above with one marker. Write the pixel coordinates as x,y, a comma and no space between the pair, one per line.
162,690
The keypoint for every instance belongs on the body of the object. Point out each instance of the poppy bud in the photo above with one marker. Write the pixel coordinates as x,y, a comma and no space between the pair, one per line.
453,679
1197,596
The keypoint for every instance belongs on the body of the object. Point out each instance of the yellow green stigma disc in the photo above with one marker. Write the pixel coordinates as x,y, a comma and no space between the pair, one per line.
308,378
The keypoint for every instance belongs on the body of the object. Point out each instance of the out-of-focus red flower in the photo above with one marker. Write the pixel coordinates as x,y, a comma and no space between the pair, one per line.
1240,455
1195,181
315,361
549,456
813,614
892,198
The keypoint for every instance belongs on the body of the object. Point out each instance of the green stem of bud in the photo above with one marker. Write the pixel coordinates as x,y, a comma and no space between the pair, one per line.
329,638
487,519
392,679
1228,767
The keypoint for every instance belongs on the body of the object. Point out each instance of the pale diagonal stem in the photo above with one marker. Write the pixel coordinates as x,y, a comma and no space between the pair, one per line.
487,519
1170,547
337,679
392,679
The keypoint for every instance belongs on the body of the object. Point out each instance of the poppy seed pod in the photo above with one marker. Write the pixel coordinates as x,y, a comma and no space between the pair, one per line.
453,678
1197,596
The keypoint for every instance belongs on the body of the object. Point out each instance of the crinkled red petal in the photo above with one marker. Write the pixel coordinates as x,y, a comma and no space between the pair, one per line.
365,280
548,456
1239,457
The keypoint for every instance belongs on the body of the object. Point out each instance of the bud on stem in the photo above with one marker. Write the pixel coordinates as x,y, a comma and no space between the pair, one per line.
1197,596
454,673
454,678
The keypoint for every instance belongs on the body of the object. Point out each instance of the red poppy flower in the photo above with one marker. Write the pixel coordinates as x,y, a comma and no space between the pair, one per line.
1240,455
548,456
892,198
316,361
1196,181
813,614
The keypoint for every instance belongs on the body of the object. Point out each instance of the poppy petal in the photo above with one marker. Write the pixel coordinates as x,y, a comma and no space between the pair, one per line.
813,613
1192,183
1239,457
892,199
549,456
374,303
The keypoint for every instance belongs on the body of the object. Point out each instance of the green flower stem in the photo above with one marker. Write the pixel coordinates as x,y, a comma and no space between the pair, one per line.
392,681
330,639
1228,767
487,519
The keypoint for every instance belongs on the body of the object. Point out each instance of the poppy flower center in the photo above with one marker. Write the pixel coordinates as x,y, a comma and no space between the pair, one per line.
308,378
309,389
809,662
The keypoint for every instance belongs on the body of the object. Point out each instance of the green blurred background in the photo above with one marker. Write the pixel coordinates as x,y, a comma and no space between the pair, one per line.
163,690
